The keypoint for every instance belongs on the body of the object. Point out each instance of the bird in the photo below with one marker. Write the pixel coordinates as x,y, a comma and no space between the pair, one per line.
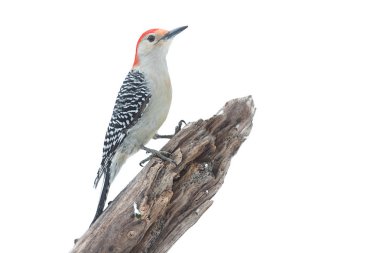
141,107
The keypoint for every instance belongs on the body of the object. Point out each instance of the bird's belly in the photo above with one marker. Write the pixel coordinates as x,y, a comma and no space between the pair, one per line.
144,130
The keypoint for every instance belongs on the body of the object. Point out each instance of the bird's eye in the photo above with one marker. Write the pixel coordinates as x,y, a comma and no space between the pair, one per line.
151,38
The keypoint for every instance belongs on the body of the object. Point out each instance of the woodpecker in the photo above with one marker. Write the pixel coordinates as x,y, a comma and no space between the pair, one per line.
141,107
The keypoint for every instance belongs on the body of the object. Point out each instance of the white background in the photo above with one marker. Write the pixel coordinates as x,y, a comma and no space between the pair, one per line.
307,178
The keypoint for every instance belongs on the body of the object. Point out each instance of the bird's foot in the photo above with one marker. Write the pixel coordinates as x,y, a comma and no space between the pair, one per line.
160,154
169,136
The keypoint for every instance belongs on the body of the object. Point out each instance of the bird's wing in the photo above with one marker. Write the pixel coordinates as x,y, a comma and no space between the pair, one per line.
132,100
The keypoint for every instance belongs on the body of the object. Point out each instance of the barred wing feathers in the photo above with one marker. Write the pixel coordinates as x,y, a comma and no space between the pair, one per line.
132,100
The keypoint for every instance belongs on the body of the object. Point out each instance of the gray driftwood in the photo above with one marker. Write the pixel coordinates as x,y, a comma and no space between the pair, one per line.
172,198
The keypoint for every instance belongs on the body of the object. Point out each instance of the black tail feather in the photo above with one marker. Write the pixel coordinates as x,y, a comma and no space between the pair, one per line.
103,196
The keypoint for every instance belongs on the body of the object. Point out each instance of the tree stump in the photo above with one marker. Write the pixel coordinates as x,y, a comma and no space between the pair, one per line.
164,199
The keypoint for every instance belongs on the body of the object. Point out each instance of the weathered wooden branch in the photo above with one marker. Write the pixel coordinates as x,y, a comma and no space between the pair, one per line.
172,198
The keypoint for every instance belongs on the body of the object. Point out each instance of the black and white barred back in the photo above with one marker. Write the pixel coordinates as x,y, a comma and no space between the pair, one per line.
133,98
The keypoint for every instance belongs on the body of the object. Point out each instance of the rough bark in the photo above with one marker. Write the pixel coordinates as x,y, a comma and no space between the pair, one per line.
172,198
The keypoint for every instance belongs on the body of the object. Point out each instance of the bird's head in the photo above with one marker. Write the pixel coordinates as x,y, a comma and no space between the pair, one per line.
154,45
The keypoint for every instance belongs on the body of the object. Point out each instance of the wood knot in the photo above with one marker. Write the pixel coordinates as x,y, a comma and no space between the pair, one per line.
131,234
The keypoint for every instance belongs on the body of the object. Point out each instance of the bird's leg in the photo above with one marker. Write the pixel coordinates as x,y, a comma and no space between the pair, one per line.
169,136
160,154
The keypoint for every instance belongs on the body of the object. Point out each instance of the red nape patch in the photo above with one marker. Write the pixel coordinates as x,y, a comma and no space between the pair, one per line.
136,62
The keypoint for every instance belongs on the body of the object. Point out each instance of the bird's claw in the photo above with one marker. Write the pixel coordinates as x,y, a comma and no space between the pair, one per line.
179,126
164,155
176,130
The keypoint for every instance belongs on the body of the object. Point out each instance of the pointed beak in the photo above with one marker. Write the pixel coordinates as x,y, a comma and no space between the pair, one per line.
171,34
